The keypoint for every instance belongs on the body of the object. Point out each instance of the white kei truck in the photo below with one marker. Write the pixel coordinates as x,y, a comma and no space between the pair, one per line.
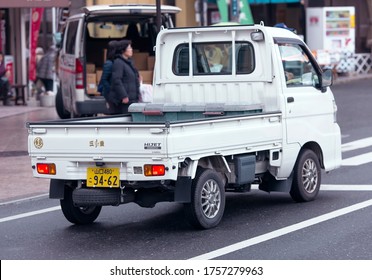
232,106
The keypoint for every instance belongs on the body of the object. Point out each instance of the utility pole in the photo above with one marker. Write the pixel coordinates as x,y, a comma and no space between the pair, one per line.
158,15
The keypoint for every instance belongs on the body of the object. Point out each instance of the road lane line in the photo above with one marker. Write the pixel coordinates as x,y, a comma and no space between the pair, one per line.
357,160
326,187
357,144
29,214
24,199
283,231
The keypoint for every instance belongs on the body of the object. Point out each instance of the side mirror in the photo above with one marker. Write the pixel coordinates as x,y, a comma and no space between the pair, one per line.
326,79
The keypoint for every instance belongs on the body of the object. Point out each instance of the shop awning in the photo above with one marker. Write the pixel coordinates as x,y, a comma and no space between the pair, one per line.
33,3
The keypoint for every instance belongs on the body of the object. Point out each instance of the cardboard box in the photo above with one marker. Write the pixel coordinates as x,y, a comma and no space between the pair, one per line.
150,62
99,75
91,68
147,76
91,83
140,60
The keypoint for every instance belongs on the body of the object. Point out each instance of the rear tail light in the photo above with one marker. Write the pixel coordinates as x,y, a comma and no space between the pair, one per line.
79,74
154,170
46,168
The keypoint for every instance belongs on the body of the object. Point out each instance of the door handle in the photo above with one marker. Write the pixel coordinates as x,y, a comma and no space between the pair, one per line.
290,99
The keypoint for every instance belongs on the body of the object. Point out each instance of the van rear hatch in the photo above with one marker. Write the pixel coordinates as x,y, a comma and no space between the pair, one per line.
128,9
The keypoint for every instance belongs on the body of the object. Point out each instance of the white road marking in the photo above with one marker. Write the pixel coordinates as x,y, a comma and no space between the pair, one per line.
346,187
24,199
357,160
357,144
29,214
283,231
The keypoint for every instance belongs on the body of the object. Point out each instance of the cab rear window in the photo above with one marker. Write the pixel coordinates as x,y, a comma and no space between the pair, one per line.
222,58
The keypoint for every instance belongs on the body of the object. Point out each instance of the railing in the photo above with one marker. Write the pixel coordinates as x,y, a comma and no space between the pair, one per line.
358,63
363,63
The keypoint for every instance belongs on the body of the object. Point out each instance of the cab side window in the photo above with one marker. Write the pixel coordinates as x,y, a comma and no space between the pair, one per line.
298,68
71,37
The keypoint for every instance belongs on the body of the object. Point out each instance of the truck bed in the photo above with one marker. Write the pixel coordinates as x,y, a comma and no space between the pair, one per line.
119,141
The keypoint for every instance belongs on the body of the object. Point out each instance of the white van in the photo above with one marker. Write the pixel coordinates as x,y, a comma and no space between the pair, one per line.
83,51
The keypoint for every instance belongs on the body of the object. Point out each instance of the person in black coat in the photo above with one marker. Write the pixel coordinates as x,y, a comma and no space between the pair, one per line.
125,83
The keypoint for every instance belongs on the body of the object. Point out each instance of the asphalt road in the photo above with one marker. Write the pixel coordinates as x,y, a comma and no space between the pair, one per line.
256,225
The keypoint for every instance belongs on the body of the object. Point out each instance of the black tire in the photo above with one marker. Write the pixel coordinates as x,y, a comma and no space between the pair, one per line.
306,177
78,215
207,200
60,108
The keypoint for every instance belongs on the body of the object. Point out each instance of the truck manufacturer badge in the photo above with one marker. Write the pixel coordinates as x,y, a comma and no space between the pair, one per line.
38,143
152,146
96,143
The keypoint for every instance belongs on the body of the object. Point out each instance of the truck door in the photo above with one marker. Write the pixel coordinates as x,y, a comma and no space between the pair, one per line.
310,111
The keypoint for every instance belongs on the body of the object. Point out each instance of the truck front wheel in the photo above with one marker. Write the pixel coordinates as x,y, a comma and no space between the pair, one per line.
307,177
78,215
207,200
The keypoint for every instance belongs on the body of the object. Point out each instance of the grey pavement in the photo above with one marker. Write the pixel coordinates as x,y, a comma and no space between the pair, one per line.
16,179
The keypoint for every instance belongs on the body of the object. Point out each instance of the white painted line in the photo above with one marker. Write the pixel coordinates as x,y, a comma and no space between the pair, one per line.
283,231
346,187
358,144
24,199
357,160
29,214
325,187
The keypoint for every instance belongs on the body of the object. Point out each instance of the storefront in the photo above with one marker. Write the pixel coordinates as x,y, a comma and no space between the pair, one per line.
14,32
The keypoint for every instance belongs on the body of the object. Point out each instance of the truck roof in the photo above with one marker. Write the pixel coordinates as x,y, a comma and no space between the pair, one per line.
272,32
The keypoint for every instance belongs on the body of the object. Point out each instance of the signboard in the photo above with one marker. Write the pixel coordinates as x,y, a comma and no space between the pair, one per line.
34,3
9,66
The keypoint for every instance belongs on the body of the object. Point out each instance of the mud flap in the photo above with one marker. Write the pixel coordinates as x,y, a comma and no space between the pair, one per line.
270,184
57,189
183,189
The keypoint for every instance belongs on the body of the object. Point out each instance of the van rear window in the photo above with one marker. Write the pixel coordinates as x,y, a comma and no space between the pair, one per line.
116,30
214,59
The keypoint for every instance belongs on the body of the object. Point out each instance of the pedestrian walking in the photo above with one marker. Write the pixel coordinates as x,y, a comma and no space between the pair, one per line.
125,80
46,68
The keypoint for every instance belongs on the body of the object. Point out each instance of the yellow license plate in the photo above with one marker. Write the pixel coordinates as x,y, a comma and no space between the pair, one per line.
103,177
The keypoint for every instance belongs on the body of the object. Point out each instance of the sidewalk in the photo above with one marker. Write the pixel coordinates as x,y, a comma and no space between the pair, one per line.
16,179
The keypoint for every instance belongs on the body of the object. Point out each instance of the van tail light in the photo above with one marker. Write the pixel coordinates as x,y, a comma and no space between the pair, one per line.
46,168
154,170
79,74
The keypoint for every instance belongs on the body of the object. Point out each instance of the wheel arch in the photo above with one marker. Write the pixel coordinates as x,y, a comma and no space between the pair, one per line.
315,147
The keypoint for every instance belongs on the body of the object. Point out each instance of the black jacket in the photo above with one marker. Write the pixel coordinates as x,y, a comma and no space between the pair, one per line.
125,81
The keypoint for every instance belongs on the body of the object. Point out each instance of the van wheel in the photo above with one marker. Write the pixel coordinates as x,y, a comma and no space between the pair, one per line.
207,200
60,108
78,215
306,177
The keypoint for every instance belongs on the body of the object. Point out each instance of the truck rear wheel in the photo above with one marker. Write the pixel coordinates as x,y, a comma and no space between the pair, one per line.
207,200
78,215
307,177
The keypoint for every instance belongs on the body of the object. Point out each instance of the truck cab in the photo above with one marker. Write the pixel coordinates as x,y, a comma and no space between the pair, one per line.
83,51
